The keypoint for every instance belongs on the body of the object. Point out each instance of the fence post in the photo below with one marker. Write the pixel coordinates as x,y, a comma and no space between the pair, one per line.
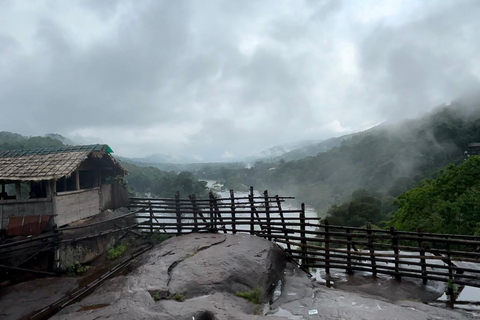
267,215
398,277
252,209
213,220
193,198
178,212
232,201
279,205
218,215
422,257
302,236
372,249
349,248
327,248
151,215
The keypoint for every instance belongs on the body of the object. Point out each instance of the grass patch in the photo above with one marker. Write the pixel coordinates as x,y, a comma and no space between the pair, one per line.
178,297
254,295
77,269
158,237
116,251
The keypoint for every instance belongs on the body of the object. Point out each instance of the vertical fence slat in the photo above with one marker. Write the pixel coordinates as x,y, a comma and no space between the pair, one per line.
218,215
422,258
302,235
371,249
284,226
151,215
252,209
267,215
232,202
349,254
213,219
193,198
327,248
178,212
395,251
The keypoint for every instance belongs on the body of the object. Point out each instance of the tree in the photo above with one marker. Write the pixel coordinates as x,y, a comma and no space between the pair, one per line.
448,204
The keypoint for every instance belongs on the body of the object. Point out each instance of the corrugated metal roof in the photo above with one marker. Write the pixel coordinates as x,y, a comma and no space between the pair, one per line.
45,163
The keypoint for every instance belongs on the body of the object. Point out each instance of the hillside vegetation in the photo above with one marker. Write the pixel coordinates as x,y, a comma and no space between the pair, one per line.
384,161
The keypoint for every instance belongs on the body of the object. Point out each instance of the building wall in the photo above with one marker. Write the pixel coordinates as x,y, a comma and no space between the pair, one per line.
113,196
67,206
75,205
34,207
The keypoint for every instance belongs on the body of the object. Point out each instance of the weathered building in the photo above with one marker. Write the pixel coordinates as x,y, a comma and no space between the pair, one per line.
56,186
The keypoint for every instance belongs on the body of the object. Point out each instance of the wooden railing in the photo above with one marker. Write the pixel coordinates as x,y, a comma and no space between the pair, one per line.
313,244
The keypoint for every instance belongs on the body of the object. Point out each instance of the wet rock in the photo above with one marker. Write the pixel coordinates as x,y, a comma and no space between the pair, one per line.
202,271
303,298
24,298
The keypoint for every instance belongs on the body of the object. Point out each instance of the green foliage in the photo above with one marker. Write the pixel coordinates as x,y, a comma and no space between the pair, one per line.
448,204
254,296
386,159
76,269
156,297
362,208
116,251
158,237
163,184
12,141
178,297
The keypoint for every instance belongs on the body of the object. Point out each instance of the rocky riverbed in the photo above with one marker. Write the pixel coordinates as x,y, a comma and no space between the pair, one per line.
217,276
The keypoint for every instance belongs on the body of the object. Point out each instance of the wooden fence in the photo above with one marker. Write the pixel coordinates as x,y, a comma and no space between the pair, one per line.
439,257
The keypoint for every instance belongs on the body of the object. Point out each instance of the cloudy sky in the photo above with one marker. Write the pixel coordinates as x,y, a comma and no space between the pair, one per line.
214,80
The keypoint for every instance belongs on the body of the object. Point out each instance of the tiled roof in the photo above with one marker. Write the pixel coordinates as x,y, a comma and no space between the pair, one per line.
45,163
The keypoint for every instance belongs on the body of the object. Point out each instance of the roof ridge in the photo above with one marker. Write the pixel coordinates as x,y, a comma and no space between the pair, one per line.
54,150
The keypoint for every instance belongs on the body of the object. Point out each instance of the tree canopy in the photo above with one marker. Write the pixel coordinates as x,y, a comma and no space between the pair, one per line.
450,203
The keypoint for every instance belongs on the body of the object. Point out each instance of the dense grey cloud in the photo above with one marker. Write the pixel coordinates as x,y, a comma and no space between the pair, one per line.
218,80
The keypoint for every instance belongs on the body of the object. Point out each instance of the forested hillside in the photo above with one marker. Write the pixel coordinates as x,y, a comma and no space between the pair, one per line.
151,180
386,160
12,141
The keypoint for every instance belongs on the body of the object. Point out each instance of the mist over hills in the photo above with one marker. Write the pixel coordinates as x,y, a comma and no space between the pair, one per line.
387,160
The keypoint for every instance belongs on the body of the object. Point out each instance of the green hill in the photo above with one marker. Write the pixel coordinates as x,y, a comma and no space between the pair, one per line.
386,160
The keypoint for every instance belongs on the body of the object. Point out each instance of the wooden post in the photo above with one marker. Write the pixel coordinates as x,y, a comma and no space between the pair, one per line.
267,215
279,205
232,204
252,209
151,215
218,215
349,255
302,236
77,179
178,212
18,190
398,277
327,248
213,220
449,262
193,198
422,258
372,250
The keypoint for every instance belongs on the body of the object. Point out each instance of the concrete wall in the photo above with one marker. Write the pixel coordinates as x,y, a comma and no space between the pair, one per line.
75,205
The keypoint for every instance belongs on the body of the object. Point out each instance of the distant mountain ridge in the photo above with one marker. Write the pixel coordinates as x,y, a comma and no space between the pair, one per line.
12,141
389,158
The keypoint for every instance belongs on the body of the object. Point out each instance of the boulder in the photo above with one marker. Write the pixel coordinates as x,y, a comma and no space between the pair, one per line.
190,276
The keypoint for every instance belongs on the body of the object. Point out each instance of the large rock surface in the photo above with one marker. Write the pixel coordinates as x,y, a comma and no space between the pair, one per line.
206,269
